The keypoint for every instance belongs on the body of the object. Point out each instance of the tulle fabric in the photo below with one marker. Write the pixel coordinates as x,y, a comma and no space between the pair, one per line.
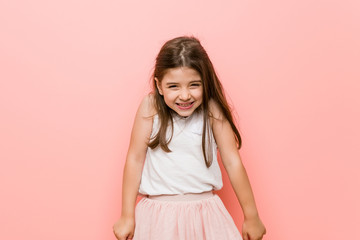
205,219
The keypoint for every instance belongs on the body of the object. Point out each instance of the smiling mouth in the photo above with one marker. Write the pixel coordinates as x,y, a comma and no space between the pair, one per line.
185,105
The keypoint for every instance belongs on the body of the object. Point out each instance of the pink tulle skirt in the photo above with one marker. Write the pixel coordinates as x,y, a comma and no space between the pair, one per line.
188,218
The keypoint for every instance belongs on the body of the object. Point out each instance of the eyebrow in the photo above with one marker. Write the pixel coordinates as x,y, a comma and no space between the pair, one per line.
194,81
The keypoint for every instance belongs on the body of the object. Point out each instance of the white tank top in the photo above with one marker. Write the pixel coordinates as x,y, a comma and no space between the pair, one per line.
183,170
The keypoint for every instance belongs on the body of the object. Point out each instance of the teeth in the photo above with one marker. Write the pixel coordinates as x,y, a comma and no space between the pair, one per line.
184,105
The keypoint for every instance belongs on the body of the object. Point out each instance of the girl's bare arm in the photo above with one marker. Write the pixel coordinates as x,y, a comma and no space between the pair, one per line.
225,140
133,167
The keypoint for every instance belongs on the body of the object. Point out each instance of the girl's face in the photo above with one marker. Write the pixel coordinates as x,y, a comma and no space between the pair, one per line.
182,90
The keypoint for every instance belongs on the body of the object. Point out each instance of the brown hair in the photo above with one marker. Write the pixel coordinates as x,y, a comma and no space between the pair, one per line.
188,52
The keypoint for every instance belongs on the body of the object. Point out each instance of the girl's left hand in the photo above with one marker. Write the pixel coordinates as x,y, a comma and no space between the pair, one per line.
253,229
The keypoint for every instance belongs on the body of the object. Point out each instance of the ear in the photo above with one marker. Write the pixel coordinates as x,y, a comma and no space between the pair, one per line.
158,85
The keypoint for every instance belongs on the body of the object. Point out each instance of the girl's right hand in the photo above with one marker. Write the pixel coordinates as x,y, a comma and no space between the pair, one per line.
124,228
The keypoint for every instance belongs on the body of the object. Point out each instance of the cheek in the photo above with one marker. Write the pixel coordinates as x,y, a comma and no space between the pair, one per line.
169,97
199,93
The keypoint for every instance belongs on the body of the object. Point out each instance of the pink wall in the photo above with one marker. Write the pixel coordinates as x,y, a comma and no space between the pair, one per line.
73,72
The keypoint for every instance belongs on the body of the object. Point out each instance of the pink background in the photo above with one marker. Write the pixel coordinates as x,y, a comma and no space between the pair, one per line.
73,72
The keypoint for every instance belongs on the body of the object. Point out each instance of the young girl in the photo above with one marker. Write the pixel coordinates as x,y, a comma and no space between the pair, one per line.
172,157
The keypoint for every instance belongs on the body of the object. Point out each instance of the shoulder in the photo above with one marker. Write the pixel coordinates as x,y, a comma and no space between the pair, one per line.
147,106
215,112
142,126
223,133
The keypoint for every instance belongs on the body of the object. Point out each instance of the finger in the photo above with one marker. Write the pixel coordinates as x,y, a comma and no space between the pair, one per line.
246,236
123,237
116,235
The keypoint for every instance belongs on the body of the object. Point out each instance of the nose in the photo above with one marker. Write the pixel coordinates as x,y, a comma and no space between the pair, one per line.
185,95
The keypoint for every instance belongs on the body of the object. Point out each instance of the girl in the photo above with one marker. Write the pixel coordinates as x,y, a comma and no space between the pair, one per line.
172,157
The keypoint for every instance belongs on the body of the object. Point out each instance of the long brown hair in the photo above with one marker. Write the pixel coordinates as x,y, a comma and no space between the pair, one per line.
188,52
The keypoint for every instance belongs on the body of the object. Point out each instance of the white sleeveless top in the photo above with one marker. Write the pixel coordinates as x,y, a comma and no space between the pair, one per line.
182,170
